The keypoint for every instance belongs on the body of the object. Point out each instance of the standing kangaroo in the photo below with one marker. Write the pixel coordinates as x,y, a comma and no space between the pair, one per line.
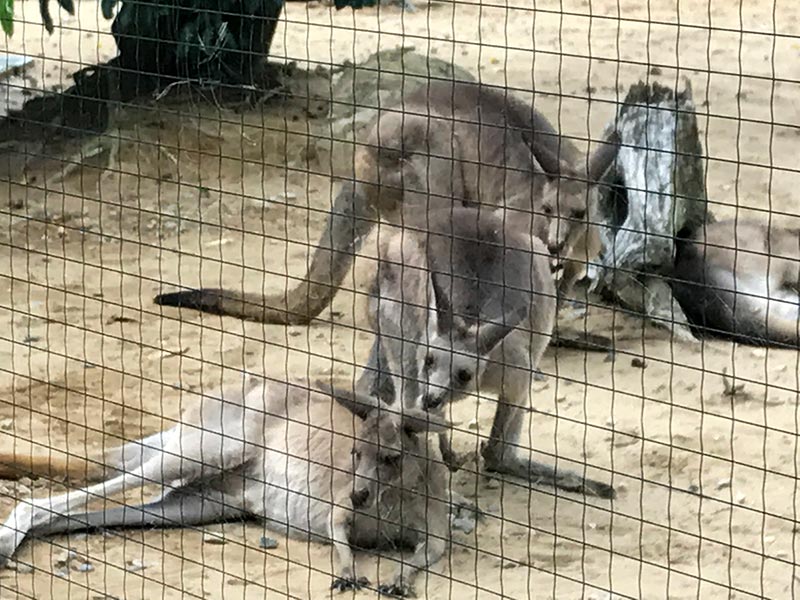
349,472
741,280
451,144
467,304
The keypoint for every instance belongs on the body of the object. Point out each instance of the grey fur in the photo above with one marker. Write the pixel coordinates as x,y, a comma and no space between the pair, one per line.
468,303
741,280
448,144
285,454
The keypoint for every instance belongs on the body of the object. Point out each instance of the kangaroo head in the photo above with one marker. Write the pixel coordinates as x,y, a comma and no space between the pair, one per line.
387,448
456,354
567,201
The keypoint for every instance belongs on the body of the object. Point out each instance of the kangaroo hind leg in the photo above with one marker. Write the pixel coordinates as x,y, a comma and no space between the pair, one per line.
192,505
500,454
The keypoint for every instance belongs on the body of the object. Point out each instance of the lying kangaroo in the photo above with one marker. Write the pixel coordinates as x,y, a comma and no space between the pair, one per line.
741,280
467,304
453,144
285,454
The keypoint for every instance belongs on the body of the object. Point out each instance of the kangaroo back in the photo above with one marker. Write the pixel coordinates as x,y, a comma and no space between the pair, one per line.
498,150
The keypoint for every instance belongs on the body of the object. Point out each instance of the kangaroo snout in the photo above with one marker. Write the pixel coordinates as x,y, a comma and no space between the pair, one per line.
431,402
555,248
359,498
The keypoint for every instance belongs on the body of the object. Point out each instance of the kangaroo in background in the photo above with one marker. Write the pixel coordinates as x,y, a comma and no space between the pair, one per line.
340,471
451,144
740,280
466,305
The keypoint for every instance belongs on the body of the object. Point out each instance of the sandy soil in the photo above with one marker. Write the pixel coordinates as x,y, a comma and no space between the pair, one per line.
87,360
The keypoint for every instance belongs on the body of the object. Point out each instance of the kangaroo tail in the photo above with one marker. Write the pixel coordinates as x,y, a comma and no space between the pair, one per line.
351,220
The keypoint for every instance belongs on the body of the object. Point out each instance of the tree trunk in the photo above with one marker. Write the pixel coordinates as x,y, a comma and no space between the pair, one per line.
657,190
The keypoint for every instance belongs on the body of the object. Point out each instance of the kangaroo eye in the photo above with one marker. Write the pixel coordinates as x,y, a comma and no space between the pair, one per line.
463,376
548,210
391,460
579,214
429,360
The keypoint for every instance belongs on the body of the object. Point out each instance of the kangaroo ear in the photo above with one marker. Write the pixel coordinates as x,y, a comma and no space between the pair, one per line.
441,305
491,334
416,420
603,158
358,404
548,161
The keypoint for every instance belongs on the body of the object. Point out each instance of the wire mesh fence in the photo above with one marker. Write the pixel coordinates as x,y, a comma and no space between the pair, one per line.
456,299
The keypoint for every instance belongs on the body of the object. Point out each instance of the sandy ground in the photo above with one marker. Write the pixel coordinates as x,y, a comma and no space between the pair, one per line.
87,360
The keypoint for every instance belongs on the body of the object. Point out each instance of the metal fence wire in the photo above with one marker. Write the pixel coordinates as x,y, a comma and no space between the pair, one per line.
451,300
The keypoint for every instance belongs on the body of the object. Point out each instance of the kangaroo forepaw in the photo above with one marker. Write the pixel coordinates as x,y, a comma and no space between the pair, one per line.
465,509
397,590
454,461
341,584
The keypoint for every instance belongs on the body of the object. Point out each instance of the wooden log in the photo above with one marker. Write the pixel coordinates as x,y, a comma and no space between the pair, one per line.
656,189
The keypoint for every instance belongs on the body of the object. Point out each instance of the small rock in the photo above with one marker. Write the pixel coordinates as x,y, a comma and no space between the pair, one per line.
491,484
5,424
220,242
135,565
473,425
638,363
463,524
510,564
693,489
561,399
19,567
65,559
723,484
539,376
655,71
740,498
84,567
267,543
213,538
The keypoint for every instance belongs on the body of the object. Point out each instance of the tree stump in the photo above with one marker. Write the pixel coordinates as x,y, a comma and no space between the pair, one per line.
657,189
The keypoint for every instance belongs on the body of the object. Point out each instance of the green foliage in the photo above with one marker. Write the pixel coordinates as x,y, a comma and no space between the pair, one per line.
7,16
206,39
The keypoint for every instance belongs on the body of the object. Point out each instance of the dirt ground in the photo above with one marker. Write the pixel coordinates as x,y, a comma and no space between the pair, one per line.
86,359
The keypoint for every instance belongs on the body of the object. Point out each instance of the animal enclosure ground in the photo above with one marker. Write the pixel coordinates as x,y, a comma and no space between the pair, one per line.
707,480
